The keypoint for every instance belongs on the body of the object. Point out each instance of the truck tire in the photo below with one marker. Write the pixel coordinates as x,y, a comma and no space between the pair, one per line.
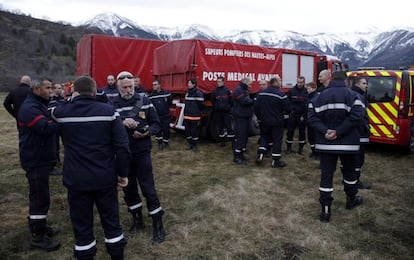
409,149
254,126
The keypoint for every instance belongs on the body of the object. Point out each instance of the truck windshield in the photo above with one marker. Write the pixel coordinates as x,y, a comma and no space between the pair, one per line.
380,89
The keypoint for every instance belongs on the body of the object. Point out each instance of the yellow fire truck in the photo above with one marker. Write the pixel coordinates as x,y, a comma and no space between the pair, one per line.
390,98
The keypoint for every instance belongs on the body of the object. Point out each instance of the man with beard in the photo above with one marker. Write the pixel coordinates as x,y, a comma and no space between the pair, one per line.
141,121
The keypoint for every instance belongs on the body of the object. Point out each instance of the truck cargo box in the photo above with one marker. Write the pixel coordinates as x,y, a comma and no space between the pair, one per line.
100,55
178,61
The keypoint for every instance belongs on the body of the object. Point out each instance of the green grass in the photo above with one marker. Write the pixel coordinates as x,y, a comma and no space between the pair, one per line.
217,210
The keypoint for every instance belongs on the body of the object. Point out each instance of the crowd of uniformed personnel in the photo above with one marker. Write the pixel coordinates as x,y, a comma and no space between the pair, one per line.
125,117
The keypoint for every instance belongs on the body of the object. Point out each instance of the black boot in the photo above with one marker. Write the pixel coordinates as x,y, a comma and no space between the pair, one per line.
300,150
44,242
158,233
117,257
259,158
189,145
137,221
194,147
50,232
160,146
289,149
325,214
352,202
277,163
238,158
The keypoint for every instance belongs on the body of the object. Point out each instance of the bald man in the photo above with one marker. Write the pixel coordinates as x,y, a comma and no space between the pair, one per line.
324,79
16,97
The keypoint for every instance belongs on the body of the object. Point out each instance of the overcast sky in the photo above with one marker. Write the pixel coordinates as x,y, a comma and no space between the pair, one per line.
305,16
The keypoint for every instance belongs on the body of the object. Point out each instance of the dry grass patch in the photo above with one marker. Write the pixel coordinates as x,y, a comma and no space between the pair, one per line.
218,210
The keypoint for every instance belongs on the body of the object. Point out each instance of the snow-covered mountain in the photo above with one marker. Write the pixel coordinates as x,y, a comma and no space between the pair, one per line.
368,47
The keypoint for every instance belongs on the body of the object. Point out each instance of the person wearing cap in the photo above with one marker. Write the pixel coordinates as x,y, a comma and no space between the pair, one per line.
141,122
37,150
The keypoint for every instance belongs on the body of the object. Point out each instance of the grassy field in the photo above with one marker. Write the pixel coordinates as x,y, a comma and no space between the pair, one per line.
217,210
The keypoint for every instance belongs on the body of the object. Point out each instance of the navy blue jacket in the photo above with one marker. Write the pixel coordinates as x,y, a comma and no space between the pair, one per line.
222,99
139,108
298,99
194,103
15,98
96,143
111,92
364,126
243,104
337,108
140,90
270,105
162,102
37,133
56,101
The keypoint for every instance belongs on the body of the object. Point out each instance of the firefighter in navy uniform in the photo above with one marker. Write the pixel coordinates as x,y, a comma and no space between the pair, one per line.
194,104
242,112
222,105
141,121
110,90
270,106
298,96
335,116
37,150
162,100
311,88
360,87
96,153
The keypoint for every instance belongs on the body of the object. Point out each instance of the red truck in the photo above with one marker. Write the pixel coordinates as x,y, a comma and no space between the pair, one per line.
101,55
175,62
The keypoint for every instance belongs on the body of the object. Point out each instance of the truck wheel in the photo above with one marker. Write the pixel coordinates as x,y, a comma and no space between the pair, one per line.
410,147
254,126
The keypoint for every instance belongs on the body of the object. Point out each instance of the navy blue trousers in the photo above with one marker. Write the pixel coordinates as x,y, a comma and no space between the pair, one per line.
81,214
39,198
141,174
328,167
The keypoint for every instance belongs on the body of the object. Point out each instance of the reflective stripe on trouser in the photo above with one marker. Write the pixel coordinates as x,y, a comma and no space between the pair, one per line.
81,213
191,131
328,167
223,121
39,198
140,173
164,134
359,160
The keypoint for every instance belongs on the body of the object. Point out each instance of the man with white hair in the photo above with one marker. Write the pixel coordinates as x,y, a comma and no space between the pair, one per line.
141,121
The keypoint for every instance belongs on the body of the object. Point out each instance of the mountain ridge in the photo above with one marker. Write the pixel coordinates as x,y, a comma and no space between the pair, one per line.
361,48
